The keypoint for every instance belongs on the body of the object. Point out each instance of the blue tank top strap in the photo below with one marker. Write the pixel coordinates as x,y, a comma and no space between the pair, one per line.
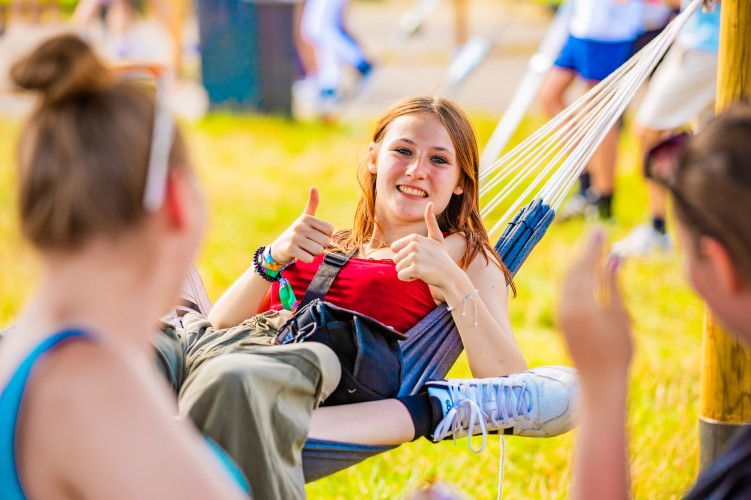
10,404
229,465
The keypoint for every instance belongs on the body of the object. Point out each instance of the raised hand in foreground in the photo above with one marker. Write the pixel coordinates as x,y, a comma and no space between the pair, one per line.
596,326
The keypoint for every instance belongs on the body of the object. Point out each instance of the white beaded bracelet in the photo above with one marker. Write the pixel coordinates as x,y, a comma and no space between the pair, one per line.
470,296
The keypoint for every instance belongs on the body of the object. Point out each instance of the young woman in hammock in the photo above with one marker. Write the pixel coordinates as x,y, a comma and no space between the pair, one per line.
418,242
707,184
83,414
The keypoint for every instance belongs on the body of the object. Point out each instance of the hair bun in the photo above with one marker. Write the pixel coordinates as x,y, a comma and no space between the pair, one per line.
62,67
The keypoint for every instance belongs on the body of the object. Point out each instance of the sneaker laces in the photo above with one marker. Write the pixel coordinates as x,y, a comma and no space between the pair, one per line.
485,403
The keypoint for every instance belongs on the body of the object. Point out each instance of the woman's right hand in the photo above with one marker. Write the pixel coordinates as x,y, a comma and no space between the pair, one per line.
593,316
306,238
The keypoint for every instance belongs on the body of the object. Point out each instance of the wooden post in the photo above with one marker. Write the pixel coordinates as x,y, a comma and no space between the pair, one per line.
725,403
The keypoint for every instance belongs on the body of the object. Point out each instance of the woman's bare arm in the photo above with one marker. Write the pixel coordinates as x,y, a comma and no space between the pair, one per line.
482,315
241,300
305,239
490,344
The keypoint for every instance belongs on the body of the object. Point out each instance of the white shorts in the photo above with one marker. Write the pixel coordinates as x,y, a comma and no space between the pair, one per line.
682,88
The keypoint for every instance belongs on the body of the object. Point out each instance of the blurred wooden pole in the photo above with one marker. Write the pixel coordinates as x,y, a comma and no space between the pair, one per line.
461,21
725,403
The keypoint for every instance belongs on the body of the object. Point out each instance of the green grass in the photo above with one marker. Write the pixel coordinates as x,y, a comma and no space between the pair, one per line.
257,171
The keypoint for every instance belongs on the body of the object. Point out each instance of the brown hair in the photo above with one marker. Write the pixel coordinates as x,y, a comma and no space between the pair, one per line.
712,185
84,152
462,215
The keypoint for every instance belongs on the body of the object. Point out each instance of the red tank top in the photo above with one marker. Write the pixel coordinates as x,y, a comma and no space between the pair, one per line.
369,287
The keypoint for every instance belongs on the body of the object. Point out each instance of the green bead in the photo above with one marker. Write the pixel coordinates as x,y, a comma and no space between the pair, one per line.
287,295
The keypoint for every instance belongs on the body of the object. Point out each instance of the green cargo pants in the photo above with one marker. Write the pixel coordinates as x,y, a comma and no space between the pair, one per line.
252,398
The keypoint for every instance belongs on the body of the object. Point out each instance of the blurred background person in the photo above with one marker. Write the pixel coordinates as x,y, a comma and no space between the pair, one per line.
323,26
601,38
681,94
117,18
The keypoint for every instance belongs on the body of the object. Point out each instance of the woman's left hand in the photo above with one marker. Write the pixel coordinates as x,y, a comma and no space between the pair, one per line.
423,257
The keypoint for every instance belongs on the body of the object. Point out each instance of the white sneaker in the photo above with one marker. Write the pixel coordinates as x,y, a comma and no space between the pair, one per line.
641,242
541,402
578,206
329,106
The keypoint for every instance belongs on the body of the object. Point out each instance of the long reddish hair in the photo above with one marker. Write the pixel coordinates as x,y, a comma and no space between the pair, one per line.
462,215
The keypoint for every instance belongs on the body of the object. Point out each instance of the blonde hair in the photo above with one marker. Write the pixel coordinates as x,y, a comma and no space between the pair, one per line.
84,152
462,215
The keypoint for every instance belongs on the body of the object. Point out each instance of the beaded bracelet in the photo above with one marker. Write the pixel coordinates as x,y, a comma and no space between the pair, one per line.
286,294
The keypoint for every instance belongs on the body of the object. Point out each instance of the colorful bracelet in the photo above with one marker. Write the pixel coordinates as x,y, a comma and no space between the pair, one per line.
264,272
260,265
270,263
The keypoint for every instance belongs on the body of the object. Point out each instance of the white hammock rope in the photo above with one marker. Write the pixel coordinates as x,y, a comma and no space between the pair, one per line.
548,163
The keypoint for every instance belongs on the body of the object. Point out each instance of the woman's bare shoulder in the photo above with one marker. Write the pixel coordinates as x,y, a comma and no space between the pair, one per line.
82,378
456,244
89,399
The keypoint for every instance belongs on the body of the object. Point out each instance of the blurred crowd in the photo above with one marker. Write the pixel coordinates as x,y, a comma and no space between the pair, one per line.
333,68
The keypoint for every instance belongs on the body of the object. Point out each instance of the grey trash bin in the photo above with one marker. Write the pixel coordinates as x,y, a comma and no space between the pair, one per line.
248,58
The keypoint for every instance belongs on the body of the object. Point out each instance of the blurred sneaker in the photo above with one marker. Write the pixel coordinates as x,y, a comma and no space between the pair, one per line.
365,82
642,241
329,105
305,99
541,402
579,206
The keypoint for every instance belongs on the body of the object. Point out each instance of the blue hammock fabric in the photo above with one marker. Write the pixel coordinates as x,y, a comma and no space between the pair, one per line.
432,346
524,231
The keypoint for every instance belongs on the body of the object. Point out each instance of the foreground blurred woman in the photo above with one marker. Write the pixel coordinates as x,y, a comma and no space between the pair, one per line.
709,185
83,412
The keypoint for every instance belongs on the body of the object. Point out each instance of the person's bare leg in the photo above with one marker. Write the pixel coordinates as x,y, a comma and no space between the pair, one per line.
85,12
305,50
53,10
385,422
657,199
602,168
552,98
120,18
17,10
603,163
553,90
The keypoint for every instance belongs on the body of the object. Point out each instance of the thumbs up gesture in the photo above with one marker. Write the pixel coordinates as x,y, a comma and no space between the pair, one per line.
306,238
423,257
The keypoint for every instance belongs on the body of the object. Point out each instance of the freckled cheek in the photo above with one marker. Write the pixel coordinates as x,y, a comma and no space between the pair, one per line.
445,182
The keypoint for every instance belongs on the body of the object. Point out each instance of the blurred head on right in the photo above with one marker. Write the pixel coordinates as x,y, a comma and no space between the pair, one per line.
710,186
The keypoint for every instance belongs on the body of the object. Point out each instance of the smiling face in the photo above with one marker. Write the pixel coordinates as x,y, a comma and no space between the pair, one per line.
415,163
